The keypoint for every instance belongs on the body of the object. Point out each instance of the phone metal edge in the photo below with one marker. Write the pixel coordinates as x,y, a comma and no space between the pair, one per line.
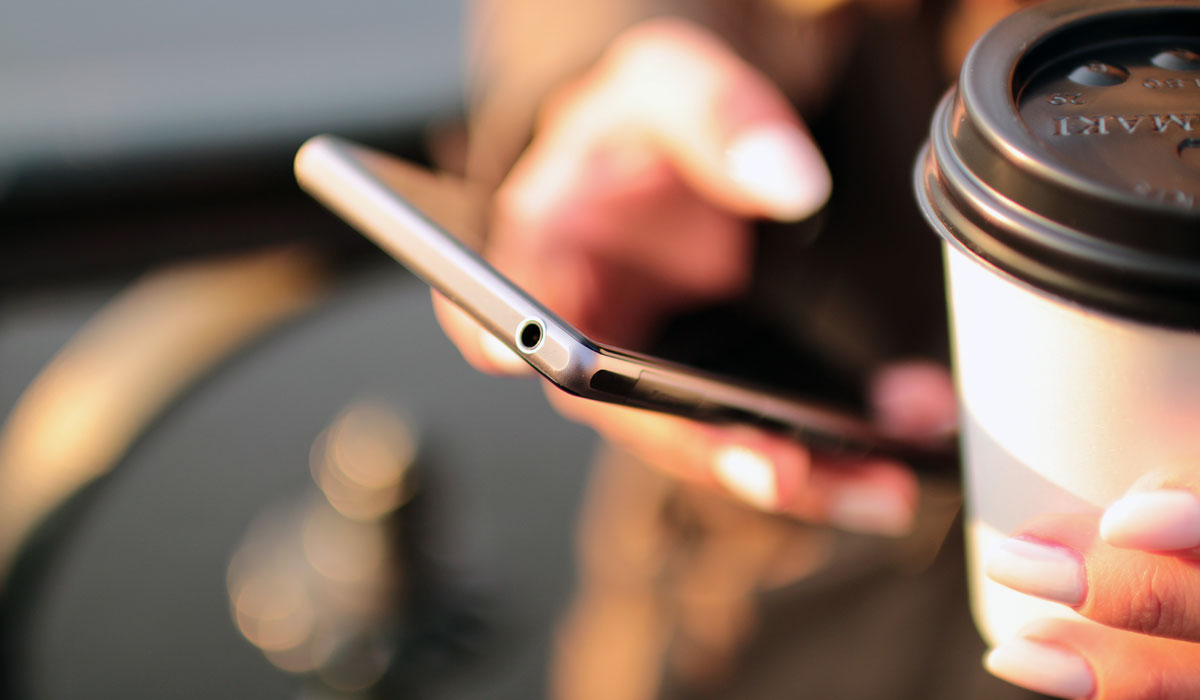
332,170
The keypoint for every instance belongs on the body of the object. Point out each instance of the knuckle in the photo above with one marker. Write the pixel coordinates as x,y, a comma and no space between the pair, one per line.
569,101
663,44
1153,685
1155,606
1147,610
1157,682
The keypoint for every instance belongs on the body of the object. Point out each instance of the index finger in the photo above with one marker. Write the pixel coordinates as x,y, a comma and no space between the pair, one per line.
1062,558
729,131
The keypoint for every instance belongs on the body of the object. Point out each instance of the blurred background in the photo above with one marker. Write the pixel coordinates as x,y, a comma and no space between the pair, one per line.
238,458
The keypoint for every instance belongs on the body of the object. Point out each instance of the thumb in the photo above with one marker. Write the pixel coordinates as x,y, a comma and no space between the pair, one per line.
728,130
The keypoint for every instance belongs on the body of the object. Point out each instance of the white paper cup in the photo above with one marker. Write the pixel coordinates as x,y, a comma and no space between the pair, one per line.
1073,267
1062,410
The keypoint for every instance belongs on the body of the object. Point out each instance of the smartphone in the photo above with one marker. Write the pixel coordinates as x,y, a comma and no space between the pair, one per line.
379,195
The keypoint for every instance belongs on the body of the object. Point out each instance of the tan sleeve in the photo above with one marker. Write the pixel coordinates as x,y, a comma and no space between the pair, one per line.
521,50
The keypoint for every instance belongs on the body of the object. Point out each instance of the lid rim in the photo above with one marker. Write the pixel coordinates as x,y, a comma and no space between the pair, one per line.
989,186
1151,306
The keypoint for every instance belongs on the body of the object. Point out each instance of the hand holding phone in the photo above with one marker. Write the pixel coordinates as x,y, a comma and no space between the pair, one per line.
634,199
371,190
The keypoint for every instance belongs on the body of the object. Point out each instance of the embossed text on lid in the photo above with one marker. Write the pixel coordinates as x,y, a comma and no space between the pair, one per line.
1068,156
1120,133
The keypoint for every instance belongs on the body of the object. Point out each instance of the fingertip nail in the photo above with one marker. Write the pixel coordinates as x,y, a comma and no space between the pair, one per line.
502,357
1166,519
781,169
1041,667
910,402
748,474
1037,568
916,426
871,510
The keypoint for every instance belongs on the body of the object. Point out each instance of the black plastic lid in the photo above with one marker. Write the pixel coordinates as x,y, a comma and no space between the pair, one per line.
1069,155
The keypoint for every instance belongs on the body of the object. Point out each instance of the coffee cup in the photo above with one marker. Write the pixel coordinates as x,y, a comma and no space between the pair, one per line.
1063,175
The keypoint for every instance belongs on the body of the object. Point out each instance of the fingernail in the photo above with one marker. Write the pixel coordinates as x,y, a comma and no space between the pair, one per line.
781,169
903,412
748,475
871,510
1039,569
504,358
1155,520
1043,668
